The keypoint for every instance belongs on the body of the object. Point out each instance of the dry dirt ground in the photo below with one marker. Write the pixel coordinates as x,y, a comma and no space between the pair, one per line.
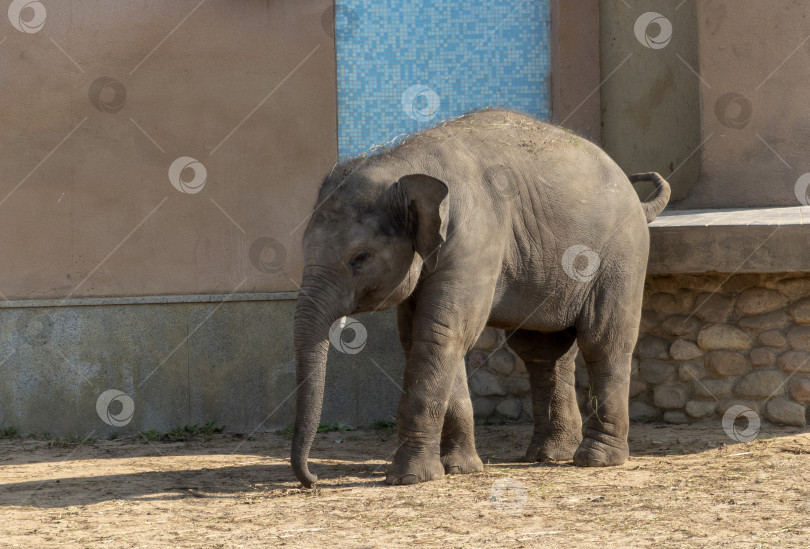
682,487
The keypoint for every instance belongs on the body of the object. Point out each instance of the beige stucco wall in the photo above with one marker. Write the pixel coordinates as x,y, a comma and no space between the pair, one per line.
755,64
86,205
650,97
575,67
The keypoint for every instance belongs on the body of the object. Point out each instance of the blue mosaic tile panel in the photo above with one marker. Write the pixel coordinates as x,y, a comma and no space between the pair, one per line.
403,66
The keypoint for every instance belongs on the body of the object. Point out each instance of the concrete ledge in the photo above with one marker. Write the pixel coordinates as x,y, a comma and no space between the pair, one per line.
745,240
147,300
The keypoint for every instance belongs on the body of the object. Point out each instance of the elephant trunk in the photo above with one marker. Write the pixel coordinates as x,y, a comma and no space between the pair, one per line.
315,312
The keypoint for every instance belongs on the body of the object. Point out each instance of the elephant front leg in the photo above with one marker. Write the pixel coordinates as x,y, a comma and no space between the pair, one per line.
458,454
428,381
457,448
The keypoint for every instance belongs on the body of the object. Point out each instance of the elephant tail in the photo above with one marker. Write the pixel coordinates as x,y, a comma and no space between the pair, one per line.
657,201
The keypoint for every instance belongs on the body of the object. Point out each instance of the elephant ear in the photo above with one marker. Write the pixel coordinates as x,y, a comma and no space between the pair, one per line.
420,203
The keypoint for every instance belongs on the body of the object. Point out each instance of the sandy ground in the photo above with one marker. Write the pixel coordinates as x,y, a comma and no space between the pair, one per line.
682,487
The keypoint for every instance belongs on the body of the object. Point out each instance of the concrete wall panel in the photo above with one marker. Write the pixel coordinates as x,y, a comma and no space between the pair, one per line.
181,364
754,59
650,90
99,103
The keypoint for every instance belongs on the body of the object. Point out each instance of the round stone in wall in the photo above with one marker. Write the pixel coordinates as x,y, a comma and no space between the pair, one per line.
485,383
686,300
725,337
754,301
800,311
794,288
799,389
653,347
772,338
700,408
713,307
656,371
762,356
761,384
670,396
726,363
664,304
785,411
682,325
690,371
510,408
502,362
766,321
798,337
795,361
684,350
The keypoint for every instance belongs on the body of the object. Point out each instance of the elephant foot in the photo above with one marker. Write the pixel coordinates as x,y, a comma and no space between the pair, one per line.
413,470
458,462
601,453
548,448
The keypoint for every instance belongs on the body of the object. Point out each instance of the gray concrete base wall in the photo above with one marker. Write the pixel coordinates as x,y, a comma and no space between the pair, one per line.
180,363
706,342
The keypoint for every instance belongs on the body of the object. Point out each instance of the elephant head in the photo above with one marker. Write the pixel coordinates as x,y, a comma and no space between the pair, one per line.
368,240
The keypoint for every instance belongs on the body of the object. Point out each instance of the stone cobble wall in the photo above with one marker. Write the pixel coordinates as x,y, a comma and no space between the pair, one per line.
706,343
499,382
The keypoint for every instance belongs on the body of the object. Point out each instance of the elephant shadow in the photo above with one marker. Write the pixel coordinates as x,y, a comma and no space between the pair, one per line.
239,483
359,462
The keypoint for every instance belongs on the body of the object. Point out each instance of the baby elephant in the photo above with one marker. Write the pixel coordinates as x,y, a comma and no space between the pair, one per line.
495,219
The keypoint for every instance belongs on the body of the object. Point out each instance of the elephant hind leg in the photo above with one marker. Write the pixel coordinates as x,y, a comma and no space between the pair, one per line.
549,359
607,340
458,453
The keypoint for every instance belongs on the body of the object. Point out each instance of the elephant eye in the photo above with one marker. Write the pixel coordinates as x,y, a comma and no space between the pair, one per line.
359,259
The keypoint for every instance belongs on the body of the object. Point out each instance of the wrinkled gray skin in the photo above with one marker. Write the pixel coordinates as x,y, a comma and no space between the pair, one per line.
466,225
